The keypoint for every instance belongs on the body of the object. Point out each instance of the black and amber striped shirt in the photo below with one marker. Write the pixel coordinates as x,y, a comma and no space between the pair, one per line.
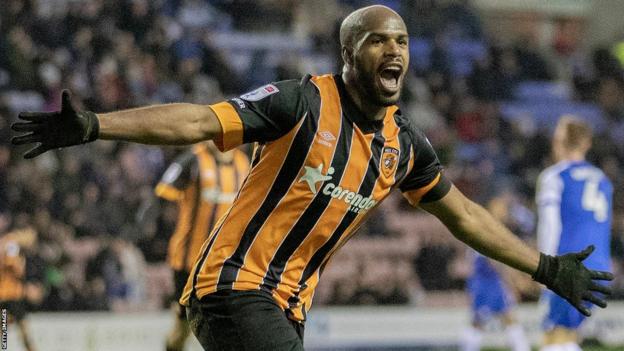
12,271
320,170
204,188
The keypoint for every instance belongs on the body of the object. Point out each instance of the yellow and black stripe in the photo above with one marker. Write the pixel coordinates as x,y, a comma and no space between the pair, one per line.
313,181
12,271
204,189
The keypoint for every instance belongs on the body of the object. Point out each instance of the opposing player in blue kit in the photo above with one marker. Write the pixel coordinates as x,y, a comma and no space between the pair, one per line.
491,298
574,203
490,293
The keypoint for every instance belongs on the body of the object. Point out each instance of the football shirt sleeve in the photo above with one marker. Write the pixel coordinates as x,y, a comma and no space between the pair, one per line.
176,178
548,200
425,181
261,115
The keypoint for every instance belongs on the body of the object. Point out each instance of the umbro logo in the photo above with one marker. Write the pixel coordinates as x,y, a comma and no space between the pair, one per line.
326,138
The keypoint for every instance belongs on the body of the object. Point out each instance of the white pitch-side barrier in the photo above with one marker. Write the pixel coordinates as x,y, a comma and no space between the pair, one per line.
338,328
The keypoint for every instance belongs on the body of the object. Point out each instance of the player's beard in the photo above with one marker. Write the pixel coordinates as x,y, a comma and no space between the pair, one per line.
366,83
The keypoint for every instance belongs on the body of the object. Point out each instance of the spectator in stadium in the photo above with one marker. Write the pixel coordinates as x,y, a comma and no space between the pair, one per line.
252,286
574,204
203,182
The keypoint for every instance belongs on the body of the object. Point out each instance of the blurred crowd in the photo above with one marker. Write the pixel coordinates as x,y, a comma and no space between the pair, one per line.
116,54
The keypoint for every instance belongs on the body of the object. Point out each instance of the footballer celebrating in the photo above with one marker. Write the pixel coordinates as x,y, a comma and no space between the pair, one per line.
332,148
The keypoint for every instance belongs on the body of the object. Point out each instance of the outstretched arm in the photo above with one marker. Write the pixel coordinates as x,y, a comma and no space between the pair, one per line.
171,124
476,227
262,115
566,275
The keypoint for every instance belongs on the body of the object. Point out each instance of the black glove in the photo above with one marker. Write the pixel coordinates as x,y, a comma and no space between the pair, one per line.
569,278
56,129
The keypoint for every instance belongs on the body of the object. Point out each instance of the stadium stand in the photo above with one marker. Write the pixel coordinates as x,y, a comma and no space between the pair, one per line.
484,111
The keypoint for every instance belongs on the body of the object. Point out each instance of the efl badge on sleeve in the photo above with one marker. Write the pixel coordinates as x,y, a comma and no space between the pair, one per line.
260,93
389,161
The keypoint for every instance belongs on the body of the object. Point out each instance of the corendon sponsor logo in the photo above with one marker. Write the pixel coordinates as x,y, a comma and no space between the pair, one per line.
357,203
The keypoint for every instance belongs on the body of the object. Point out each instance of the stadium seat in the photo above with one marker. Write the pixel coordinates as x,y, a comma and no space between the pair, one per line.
393,4
543,91
546,113
463,53
420,52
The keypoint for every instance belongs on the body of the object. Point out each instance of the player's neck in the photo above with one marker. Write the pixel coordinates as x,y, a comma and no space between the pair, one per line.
572,157
370,111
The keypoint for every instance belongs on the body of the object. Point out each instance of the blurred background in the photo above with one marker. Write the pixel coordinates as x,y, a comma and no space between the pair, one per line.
488,80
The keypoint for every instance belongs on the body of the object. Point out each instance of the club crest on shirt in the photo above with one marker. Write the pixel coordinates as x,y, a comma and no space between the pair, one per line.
260,93
389,161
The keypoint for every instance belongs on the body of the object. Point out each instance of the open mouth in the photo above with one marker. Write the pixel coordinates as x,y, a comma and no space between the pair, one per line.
389,76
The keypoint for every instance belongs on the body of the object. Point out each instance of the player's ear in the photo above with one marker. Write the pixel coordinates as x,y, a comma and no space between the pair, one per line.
347,55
